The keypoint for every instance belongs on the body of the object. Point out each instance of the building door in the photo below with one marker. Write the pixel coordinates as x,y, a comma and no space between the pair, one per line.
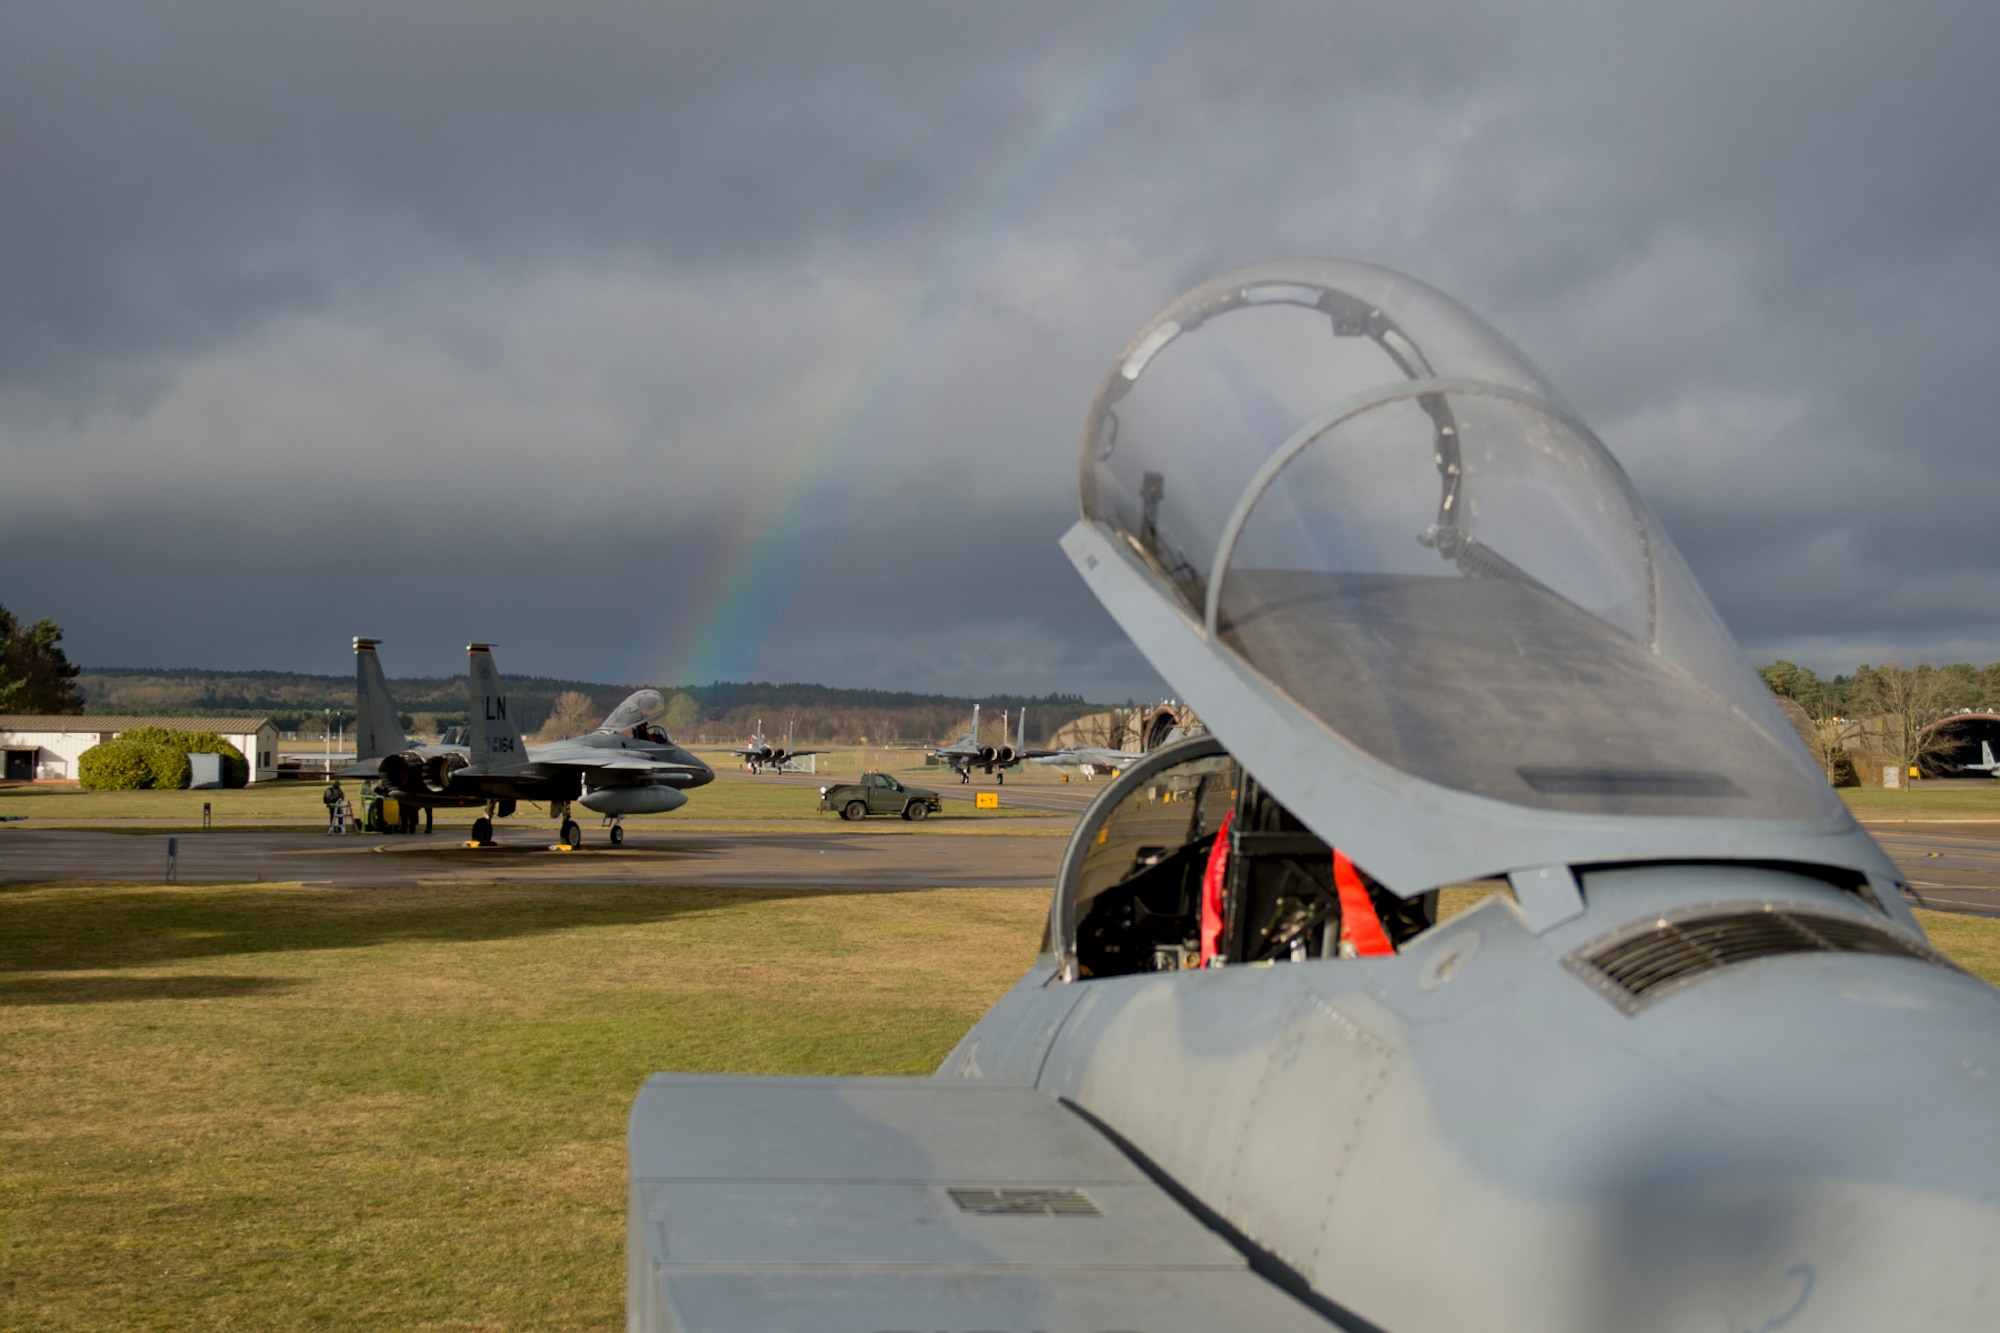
21,765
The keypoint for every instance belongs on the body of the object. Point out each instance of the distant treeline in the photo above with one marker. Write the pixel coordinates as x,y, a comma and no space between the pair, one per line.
724,710
1873,689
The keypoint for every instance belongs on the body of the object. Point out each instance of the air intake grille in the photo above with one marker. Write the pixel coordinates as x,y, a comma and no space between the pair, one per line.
1026,1202
1634,967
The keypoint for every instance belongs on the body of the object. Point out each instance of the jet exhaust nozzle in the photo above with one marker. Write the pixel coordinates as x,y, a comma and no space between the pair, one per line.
402,772
649,800
437,773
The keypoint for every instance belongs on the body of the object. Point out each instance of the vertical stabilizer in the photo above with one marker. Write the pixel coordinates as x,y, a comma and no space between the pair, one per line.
1021,733
377,733
494,736
975,724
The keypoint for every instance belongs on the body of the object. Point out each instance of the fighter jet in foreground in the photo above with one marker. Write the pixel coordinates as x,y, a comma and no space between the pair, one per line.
1691,1065
969,752
760,754
628,766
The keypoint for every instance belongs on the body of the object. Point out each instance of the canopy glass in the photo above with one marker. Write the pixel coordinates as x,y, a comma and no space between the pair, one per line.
1372,499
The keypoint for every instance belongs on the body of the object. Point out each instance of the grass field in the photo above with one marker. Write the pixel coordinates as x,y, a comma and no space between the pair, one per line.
264,1107
1922,802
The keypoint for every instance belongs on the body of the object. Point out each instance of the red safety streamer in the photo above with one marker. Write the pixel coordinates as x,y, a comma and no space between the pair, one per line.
1360,927
1211,891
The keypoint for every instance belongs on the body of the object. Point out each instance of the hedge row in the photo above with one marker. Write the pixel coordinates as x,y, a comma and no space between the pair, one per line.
158,758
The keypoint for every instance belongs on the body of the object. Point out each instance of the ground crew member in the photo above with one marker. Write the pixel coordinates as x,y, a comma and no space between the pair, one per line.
334,798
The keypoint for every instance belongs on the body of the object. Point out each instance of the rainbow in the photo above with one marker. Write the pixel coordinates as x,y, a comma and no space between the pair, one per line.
751,581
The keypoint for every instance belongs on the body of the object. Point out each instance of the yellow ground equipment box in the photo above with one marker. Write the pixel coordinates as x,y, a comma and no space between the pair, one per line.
987,800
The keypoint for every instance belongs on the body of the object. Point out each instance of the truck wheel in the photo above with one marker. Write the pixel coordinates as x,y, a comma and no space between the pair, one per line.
482,830
916,810
855,810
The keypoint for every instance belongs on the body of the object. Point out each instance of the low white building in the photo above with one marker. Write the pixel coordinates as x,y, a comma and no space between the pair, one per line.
45,748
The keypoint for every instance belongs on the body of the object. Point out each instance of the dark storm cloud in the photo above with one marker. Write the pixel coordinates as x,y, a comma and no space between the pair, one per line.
602,288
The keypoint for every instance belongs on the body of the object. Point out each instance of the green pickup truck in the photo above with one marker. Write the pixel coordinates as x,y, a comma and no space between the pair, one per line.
878,794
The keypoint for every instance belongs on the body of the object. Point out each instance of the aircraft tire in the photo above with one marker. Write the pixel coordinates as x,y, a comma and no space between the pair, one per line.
572,836
617,836
855,811
482,830
916,811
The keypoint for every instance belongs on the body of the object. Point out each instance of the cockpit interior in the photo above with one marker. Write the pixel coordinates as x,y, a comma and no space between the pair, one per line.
1198,865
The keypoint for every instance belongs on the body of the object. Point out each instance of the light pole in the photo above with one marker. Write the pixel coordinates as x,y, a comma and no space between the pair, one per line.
326,733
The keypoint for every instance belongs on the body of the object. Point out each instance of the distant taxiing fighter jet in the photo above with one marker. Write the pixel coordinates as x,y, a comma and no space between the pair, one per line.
760,754
1092,758
628,766
969,752
1165,728
1688,1064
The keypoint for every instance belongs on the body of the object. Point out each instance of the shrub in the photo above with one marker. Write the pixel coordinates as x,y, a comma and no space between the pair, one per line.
114,766
158,758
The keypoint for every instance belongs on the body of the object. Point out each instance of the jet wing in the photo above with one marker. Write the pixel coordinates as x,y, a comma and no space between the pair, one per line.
626,764
852,1205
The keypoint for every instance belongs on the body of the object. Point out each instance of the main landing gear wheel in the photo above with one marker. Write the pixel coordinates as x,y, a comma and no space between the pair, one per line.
1000,778
482,830
915,811
617,835
572,836
855,811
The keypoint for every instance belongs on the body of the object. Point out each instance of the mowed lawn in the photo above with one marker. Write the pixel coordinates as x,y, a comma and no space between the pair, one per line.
262,1107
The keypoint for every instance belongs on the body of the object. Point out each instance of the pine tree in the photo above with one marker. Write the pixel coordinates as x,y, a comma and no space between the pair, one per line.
35,677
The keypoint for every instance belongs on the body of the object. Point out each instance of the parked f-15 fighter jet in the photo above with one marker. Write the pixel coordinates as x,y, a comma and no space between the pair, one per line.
628,766
1987,763
969,752
1689,1063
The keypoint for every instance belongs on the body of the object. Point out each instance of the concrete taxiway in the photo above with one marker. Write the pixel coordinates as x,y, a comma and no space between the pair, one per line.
827,858
1951,867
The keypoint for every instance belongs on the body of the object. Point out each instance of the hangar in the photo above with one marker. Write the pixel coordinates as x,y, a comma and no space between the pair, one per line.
1966,731
45,747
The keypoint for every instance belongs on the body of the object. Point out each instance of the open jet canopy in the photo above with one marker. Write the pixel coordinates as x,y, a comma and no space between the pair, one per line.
1411,591
639,708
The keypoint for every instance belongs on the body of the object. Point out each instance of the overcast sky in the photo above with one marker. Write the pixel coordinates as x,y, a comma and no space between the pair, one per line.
665,343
